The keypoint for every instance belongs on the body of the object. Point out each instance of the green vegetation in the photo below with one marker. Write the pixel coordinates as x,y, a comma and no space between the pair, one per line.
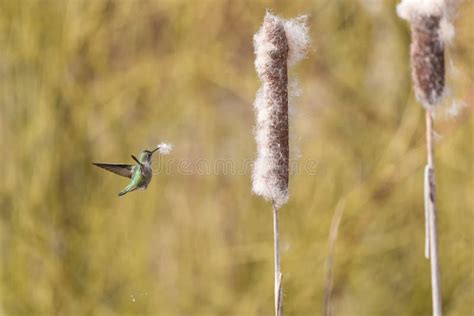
97,80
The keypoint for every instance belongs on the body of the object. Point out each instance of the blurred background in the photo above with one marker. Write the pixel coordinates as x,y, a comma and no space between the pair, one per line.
84,81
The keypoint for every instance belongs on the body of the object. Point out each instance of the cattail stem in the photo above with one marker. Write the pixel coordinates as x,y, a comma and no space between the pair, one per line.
429,138
278,274
432,216
427,210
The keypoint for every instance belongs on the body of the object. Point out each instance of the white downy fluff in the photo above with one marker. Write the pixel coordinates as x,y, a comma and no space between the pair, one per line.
164,148
446,30
298,39
411,10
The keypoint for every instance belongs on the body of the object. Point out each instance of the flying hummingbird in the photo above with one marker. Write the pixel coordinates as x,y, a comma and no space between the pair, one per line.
141,173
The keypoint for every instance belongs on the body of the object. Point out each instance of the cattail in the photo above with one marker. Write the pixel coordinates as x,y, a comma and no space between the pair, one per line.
271,172
430,30
278,44
427,60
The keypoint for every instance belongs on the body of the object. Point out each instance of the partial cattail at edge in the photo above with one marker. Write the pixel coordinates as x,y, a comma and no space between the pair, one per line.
278,43
430,30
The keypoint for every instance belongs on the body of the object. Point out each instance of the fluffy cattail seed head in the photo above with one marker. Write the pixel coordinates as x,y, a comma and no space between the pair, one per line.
274,52
427,60
429,28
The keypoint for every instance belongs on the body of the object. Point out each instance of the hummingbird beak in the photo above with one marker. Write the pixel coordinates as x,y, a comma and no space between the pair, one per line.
152,151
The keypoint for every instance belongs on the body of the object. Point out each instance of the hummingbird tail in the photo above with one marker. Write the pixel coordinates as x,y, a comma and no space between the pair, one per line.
126,190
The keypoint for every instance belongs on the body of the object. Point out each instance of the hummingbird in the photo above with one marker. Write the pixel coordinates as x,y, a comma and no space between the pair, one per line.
141,173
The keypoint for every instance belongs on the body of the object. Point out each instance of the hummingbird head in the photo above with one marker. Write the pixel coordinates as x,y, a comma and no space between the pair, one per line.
145,156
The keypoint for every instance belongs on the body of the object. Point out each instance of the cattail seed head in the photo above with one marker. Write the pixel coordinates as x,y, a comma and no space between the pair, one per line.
429,32
277,44
427,60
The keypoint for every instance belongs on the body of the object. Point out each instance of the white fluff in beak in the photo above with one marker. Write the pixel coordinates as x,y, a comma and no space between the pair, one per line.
164,148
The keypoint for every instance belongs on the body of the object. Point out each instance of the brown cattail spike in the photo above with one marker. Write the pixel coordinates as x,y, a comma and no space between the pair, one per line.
272,165
275,94
427,59
279,44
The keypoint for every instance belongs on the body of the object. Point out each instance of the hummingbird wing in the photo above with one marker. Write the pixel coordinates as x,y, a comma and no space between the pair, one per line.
121,169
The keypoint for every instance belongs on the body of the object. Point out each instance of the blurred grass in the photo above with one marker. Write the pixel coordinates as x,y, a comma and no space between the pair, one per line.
85,81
